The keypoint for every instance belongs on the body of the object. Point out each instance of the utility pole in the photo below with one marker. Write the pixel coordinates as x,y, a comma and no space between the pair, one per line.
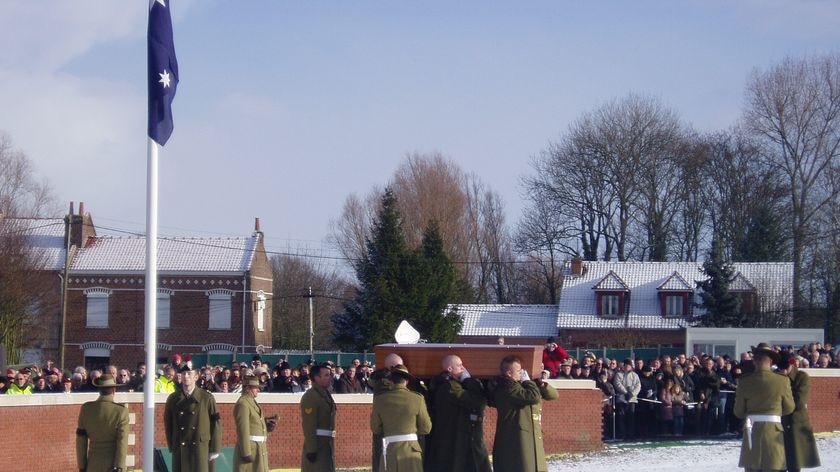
311,326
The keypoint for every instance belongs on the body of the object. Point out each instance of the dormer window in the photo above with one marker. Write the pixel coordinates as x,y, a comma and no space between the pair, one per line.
675,296
611,296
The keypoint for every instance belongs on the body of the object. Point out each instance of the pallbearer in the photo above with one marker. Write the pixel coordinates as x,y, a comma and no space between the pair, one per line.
457,401
400,417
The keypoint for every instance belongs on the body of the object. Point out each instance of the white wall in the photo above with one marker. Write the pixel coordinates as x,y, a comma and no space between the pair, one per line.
744,338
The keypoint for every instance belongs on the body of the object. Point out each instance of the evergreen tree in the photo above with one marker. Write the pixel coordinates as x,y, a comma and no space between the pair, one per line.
396,283
723,308
433,287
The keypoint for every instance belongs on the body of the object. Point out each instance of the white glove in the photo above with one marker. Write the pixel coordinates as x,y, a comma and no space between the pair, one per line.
465,375
214,456
524,376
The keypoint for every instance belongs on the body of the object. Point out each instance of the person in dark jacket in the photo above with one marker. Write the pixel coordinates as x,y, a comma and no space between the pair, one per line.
646,409
348,382
707,393
457,402
800,446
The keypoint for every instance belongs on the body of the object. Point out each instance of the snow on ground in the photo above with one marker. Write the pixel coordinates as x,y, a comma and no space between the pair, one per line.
685,456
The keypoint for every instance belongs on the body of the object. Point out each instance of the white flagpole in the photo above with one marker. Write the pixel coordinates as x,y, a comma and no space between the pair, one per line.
151,306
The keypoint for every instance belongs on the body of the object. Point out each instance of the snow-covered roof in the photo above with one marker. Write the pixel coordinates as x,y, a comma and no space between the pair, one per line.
611,281
128,254
772,281
44,235
508,320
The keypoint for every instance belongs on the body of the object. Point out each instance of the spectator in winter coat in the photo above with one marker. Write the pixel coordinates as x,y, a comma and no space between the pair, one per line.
627,387
646,409
347,382
707,393
553,356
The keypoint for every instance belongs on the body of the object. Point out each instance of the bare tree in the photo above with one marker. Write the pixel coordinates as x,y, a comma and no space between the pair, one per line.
26,287
293,276
739,189
793,110
430,187
20,193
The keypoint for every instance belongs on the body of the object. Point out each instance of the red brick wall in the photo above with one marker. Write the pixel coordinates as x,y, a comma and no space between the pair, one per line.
41,436
824,407
570,424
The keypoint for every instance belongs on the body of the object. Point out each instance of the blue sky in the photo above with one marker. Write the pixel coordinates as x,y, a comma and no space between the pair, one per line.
285,108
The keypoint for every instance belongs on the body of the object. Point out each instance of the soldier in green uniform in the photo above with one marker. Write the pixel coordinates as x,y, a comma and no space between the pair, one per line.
762,398
400,417
457,403
380,382
102,435
518,446
252,428
801,450
192,426
317,413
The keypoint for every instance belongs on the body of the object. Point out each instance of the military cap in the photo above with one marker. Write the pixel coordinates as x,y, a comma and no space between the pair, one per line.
765,349
400,370
104,381
250,381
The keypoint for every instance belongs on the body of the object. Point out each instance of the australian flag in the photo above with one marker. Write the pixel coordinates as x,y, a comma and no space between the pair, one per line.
163,71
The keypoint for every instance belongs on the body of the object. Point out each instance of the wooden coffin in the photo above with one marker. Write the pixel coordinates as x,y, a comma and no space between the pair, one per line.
481,360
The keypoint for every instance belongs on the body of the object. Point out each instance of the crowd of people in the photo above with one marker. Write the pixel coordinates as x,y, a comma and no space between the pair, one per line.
280,378
671,396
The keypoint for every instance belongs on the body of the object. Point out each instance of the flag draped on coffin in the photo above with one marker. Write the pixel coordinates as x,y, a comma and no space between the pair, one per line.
163,72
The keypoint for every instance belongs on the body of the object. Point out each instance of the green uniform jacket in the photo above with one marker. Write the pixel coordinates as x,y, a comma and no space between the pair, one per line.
193,430
518,446
380,383
317,411
457,439
102,436
763,393
800,446
401,411
250,421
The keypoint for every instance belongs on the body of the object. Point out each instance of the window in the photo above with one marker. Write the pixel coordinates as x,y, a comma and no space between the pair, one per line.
674,305
97,307
261,311
220,309
163,308
609,305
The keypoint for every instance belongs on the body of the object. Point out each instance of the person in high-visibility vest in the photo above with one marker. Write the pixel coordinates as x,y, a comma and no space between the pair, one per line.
166,382
19,386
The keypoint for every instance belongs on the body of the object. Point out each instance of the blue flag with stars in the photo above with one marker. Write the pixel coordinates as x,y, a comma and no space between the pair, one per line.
163,71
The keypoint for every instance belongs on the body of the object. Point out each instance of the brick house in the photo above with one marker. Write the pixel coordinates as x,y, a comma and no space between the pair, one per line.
623,304
214,297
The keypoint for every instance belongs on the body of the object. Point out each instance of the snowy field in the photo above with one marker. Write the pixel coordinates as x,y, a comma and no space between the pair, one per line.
687,456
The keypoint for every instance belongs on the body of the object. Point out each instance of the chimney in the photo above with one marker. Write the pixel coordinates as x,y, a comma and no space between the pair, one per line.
577,267
257,225
79,226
